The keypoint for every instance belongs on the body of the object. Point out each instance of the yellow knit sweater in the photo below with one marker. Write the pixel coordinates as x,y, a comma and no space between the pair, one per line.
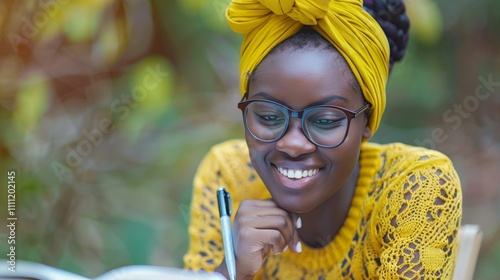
402,223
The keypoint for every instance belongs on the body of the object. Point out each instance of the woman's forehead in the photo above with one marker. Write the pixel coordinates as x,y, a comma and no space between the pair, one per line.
291,73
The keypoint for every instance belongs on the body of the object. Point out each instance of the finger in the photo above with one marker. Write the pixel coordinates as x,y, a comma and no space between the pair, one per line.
261,203
262,241
273,238
261,207
281,223
266,215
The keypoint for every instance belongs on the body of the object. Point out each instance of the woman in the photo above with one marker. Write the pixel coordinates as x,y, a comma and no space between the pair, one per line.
314,199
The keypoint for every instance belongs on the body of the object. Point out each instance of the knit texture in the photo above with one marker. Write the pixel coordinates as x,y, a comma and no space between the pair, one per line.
402,224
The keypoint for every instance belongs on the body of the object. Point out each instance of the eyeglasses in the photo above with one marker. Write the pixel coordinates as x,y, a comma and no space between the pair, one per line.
324,125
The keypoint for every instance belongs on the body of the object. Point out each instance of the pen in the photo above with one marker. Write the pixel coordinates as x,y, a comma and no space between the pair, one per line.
224,201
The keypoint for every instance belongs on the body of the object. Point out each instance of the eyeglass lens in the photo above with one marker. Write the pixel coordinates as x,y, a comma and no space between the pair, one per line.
267,122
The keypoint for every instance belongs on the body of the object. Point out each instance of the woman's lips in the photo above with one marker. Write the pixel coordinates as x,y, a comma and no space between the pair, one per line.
296,178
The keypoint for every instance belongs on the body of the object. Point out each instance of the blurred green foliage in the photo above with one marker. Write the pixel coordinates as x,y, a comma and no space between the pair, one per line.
107,107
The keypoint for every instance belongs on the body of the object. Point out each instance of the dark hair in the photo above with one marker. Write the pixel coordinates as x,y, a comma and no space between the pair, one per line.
391,16
304,39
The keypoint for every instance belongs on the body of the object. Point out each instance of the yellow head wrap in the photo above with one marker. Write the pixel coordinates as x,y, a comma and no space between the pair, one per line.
344,23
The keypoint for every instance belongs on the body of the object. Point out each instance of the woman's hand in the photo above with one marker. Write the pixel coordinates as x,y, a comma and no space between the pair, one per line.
258,227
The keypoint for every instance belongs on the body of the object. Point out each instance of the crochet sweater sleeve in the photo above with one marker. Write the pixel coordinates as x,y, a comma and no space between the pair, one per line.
226,165
205,247
418,217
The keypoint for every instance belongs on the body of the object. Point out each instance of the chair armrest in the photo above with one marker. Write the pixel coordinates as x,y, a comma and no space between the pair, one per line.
469,242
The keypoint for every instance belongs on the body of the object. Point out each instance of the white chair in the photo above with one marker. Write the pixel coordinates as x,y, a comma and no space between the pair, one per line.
469,242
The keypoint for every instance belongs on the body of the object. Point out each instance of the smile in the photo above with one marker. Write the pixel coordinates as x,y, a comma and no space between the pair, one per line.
297,173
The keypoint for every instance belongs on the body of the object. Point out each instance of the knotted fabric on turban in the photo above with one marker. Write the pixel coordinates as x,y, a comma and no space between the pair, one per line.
354,33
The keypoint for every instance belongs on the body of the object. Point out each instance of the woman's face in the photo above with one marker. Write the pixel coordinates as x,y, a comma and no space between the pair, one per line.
299,79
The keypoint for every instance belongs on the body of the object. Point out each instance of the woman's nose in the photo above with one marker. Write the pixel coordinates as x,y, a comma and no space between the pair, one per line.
294,142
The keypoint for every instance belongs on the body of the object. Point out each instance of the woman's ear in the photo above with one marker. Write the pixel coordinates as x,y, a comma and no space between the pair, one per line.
367,132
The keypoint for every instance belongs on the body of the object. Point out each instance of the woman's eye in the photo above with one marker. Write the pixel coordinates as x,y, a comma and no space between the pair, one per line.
270,118
324,121
325,118
327,123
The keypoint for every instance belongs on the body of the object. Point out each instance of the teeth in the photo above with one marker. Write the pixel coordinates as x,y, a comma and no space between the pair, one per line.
297,173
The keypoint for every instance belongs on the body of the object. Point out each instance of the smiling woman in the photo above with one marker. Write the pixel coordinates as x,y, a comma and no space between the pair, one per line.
315,199
316,80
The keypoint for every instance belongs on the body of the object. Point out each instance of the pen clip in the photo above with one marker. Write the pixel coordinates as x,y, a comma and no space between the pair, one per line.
229,204
224,201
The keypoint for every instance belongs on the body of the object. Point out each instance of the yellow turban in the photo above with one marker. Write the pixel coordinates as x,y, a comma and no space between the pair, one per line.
354,33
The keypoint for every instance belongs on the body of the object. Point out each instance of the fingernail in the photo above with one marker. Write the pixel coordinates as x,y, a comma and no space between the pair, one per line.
299,222
298,248
286,248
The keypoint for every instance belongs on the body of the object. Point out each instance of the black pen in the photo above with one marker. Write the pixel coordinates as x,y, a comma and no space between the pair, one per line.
224,201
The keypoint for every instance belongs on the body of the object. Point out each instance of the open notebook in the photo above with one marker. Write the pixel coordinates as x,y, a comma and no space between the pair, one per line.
35,271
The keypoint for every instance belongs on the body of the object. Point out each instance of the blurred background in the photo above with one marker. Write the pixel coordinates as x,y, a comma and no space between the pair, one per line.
107,107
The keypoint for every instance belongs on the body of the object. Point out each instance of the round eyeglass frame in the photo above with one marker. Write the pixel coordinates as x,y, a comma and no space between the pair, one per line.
242,105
